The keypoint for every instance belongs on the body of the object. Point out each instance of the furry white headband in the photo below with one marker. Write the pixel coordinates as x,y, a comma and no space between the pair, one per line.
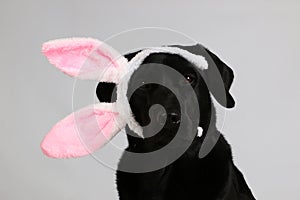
86,130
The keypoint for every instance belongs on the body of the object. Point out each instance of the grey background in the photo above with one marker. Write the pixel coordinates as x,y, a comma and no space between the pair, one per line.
259,39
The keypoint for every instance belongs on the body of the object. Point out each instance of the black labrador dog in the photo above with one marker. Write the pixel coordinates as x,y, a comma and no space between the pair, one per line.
189,177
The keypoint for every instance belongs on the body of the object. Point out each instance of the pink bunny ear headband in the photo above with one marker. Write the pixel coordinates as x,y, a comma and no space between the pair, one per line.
89,128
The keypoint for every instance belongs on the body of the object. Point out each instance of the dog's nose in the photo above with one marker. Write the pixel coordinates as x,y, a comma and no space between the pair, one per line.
173,117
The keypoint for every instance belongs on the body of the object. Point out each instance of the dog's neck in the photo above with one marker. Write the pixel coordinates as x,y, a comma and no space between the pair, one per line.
213,171
213,168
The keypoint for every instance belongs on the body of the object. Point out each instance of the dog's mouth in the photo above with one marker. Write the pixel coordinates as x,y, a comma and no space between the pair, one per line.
158,120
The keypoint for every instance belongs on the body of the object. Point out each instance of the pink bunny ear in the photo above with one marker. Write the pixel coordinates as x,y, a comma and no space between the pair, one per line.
82,132
85,58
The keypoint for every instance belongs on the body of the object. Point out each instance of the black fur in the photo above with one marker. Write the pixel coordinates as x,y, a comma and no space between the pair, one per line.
213,177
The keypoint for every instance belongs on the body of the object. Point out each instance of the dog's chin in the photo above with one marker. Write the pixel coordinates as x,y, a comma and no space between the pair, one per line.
173,137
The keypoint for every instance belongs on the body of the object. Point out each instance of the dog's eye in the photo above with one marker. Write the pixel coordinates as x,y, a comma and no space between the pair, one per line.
190,78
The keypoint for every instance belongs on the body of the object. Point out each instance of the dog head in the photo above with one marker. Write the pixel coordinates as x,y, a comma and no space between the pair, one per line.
155,105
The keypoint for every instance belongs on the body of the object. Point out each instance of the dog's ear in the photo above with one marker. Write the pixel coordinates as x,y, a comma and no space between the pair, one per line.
129,56
218,77
227,76
106,92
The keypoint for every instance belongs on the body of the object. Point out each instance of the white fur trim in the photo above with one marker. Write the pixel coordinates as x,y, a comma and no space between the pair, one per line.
200,131
112,107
